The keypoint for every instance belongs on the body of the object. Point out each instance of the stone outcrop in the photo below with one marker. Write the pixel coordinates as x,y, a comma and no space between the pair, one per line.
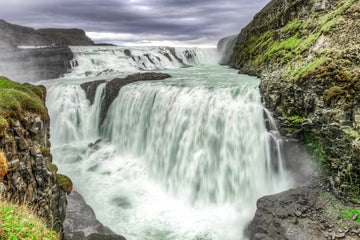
30,177
309,212
90,89
113,87
307,54
67,37
81,222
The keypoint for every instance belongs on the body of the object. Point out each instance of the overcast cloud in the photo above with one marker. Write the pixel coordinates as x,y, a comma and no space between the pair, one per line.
188,22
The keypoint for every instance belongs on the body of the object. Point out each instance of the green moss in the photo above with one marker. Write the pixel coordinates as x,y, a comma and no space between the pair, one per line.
3,126
318,150
334,93
17,99
348,214
18,222
288,44
45,151
64,183
308,67
52,168
295,118
352,133
293,25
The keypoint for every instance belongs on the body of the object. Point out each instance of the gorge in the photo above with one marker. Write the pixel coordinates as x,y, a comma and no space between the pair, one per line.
165,143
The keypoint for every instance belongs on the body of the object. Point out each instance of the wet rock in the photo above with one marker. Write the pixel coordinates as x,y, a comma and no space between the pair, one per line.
81,221
96,236
356,216
90,89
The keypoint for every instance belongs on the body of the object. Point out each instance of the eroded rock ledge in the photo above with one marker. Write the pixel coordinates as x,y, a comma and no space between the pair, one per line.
113,87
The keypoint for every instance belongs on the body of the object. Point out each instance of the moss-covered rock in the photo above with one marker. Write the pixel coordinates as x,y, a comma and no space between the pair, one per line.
17,99
64,183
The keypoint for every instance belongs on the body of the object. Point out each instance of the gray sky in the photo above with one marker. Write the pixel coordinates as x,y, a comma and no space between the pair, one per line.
188,22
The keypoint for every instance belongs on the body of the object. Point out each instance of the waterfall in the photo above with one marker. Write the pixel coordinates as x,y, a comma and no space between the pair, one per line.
111,61
183,158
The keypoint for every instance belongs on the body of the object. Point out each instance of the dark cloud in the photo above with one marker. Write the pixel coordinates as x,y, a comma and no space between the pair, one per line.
182,20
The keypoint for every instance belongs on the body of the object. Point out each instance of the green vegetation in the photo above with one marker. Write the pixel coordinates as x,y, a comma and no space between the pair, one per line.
17,99
318,151
352,133
350,213
45,151
64,183
334,93
52,168
338,213
19,223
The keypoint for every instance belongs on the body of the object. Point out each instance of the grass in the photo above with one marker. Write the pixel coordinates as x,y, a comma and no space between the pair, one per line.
350,213
309,66
19,223
17,99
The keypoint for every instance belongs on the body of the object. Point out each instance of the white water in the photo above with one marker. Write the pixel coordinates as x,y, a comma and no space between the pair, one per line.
185,158
110,61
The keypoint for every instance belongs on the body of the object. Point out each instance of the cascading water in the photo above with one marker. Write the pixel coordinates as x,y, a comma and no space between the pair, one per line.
184,158
109,61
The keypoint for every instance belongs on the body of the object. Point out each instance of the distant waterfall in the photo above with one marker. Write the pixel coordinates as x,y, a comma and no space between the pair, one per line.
185,158
109,61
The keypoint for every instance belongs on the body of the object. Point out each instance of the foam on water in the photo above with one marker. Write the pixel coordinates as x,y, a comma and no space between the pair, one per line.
184,158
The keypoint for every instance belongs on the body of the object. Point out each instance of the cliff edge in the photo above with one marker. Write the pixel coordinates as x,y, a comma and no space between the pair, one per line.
307,54
27,173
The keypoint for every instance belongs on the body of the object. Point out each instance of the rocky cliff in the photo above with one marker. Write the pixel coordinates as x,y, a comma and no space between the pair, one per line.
27,173
12,35
307,54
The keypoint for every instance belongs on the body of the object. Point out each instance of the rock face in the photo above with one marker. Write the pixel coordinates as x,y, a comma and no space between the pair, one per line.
30,176
67,37
308,212
81,221
12,35
113,87
90,89
35,64
307,54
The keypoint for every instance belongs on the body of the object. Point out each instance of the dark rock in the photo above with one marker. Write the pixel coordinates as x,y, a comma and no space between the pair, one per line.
81,221
90,89
66,37
127,52
96,236
28,180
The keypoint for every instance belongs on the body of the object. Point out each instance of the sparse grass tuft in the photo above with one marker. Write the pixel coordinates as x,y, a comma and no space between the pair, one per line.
19,222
